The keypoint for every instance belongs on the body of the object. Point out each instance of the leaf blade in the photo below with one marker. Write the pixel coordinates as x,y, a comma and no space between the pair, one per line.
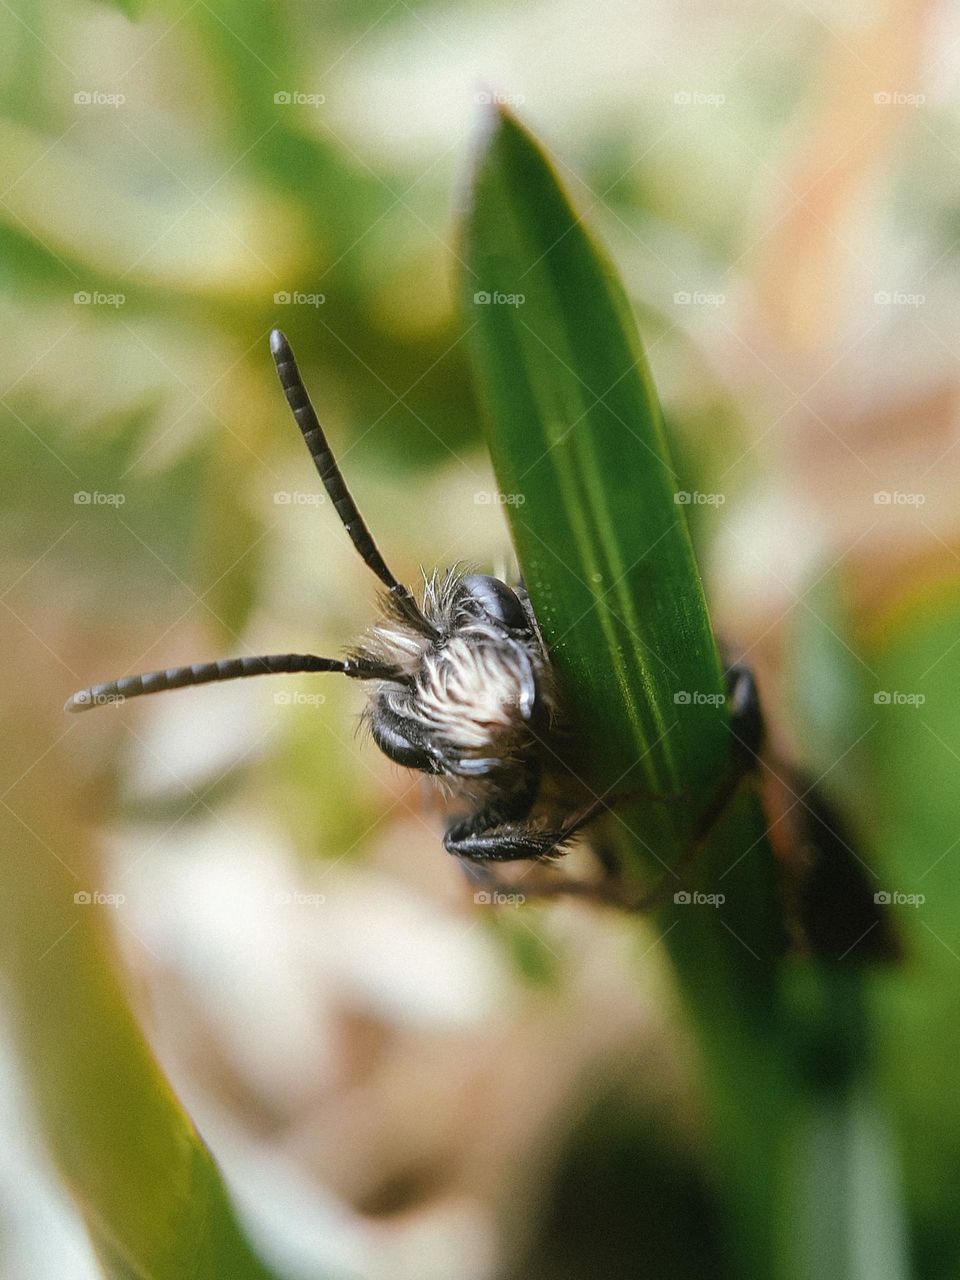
151,1195
576,436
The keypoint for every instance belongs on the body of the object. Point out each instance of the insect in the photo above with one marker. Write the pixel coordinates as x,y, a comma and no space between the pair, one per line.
462,687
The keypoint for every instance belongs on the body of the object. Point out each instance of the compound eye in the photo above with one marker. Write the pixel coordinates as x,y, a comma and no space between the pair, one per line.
492,598
396,746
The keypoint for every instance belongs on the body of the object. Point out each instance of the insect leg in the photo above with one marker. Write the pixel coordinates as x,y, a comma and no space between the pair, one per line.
489,837
501,832
514,841
746,716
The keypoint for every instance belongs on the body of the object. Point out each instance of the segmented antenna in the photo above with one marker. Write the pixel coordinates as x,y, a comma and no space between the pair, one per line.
99,695
306,417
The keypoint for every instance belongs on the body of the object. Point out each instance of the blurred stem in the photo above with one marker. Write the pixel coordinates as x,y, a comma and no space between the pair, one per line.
844,1216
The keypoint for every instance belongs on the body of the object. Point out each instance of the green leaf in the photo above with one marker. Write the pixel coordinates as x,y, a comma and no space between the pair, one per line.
148,1188
578,447
914,750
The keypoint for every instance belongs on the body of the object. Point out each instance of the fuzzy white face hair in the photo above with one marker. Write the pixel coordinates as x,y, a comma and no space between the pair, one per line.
473,694
482,692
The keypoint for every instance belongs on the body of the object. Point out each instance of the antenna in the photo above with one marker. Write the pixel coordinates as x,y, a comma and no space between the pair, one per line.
113,691
306,418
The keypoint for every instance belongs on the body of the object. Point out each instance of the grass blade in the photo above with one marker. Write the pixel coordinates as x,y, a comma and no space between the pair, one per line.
577,440
148,1188
578,447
